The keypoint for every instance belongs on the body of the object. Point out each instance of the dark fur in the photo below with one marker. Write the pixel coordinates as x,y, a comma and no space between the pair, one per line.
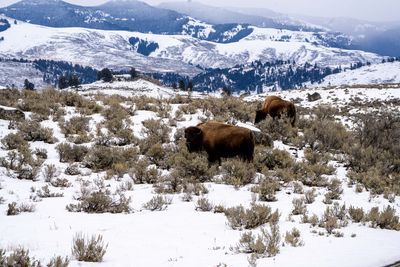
220,140
276,107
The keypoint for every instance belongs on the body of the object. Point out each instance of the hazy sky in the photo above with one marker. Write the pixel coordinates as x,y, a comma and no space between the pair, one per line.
374,10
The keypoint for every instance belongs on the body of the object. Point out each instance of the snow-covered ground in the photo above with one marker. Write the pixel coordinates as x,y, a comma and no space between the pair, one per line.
384,73
180,235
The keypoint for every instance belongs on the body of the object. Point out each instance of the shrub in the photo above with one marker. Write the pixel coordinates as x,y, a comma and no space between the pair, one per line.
299,206
41,153
386,219
277,158
266,244
77,125
333,218
32,131
191,167
266,189
49,172
45,193
237,173
203,204
170,184
356,214
13,141
25,207
297,188
249,243
315,157
325,135
155,131
60,182
141,173
293,238
91,250
100,202
279,129
372,154
102,158
72,169
273,239
13,209
312,174
157,203
18,257
310,196
28,173
240,218
71,153
58,261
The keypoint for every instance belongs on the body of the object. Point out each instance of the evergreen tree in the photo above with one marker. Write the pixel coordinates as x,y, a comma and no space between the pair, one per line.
28,85
105,75
133,73
226,91
62,82
182,85
174,85
190,86
73,81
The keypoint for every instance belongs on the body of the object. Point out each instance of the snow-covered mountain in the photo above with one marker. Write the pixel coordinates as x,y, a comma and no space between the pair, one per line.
128,15
176,53
219,15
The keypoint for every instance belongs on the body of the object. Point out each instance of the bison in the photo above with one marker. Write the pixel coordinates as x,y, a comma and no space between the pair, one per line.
275,107
220,140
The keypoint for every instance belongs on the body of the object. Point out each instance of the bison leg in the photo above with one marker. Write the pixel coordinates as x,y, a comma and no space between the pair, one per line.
212,159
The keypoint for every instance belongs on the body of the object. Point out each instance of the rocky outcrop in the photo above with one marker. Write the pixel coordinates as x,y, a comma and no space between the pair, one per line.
11,114
313,97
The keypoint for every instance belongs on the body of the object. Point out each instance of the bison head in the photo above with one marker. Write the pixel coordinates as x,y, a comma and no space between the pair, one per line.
260,115
194,139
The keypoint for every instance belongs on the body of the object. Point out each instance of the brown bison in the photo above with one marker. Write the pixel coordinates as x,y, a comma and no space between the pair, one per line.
275,107
220,140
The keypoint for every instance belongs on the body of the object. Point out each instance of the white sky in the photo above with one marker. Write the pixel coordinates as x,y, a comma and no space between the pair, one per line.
373,10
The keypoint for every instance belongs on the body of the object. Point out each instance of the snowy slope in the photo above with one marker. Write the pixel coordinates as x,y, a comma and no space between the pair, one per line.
180,235
375,74
15,73
138,87
177,53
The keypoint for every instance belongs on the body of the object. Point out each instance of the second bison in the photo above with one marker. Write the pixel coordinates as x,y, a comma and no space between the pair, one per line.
220,140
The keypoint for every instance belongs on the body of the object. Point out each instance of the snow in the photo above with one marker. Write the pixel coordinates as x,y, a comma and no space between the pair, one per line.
386,73
176,53
181,236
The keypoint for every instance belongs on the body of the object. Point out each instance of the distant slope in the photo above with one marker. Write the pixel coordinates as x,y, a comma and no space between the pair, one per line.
13,74
128,15
375,74
219,15
42,73
175,53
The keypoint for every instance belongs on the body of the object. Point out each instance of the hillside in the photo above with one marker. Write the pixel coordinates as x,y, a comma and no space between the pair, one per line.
385,73
128,15
16,72
173,53
111,160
